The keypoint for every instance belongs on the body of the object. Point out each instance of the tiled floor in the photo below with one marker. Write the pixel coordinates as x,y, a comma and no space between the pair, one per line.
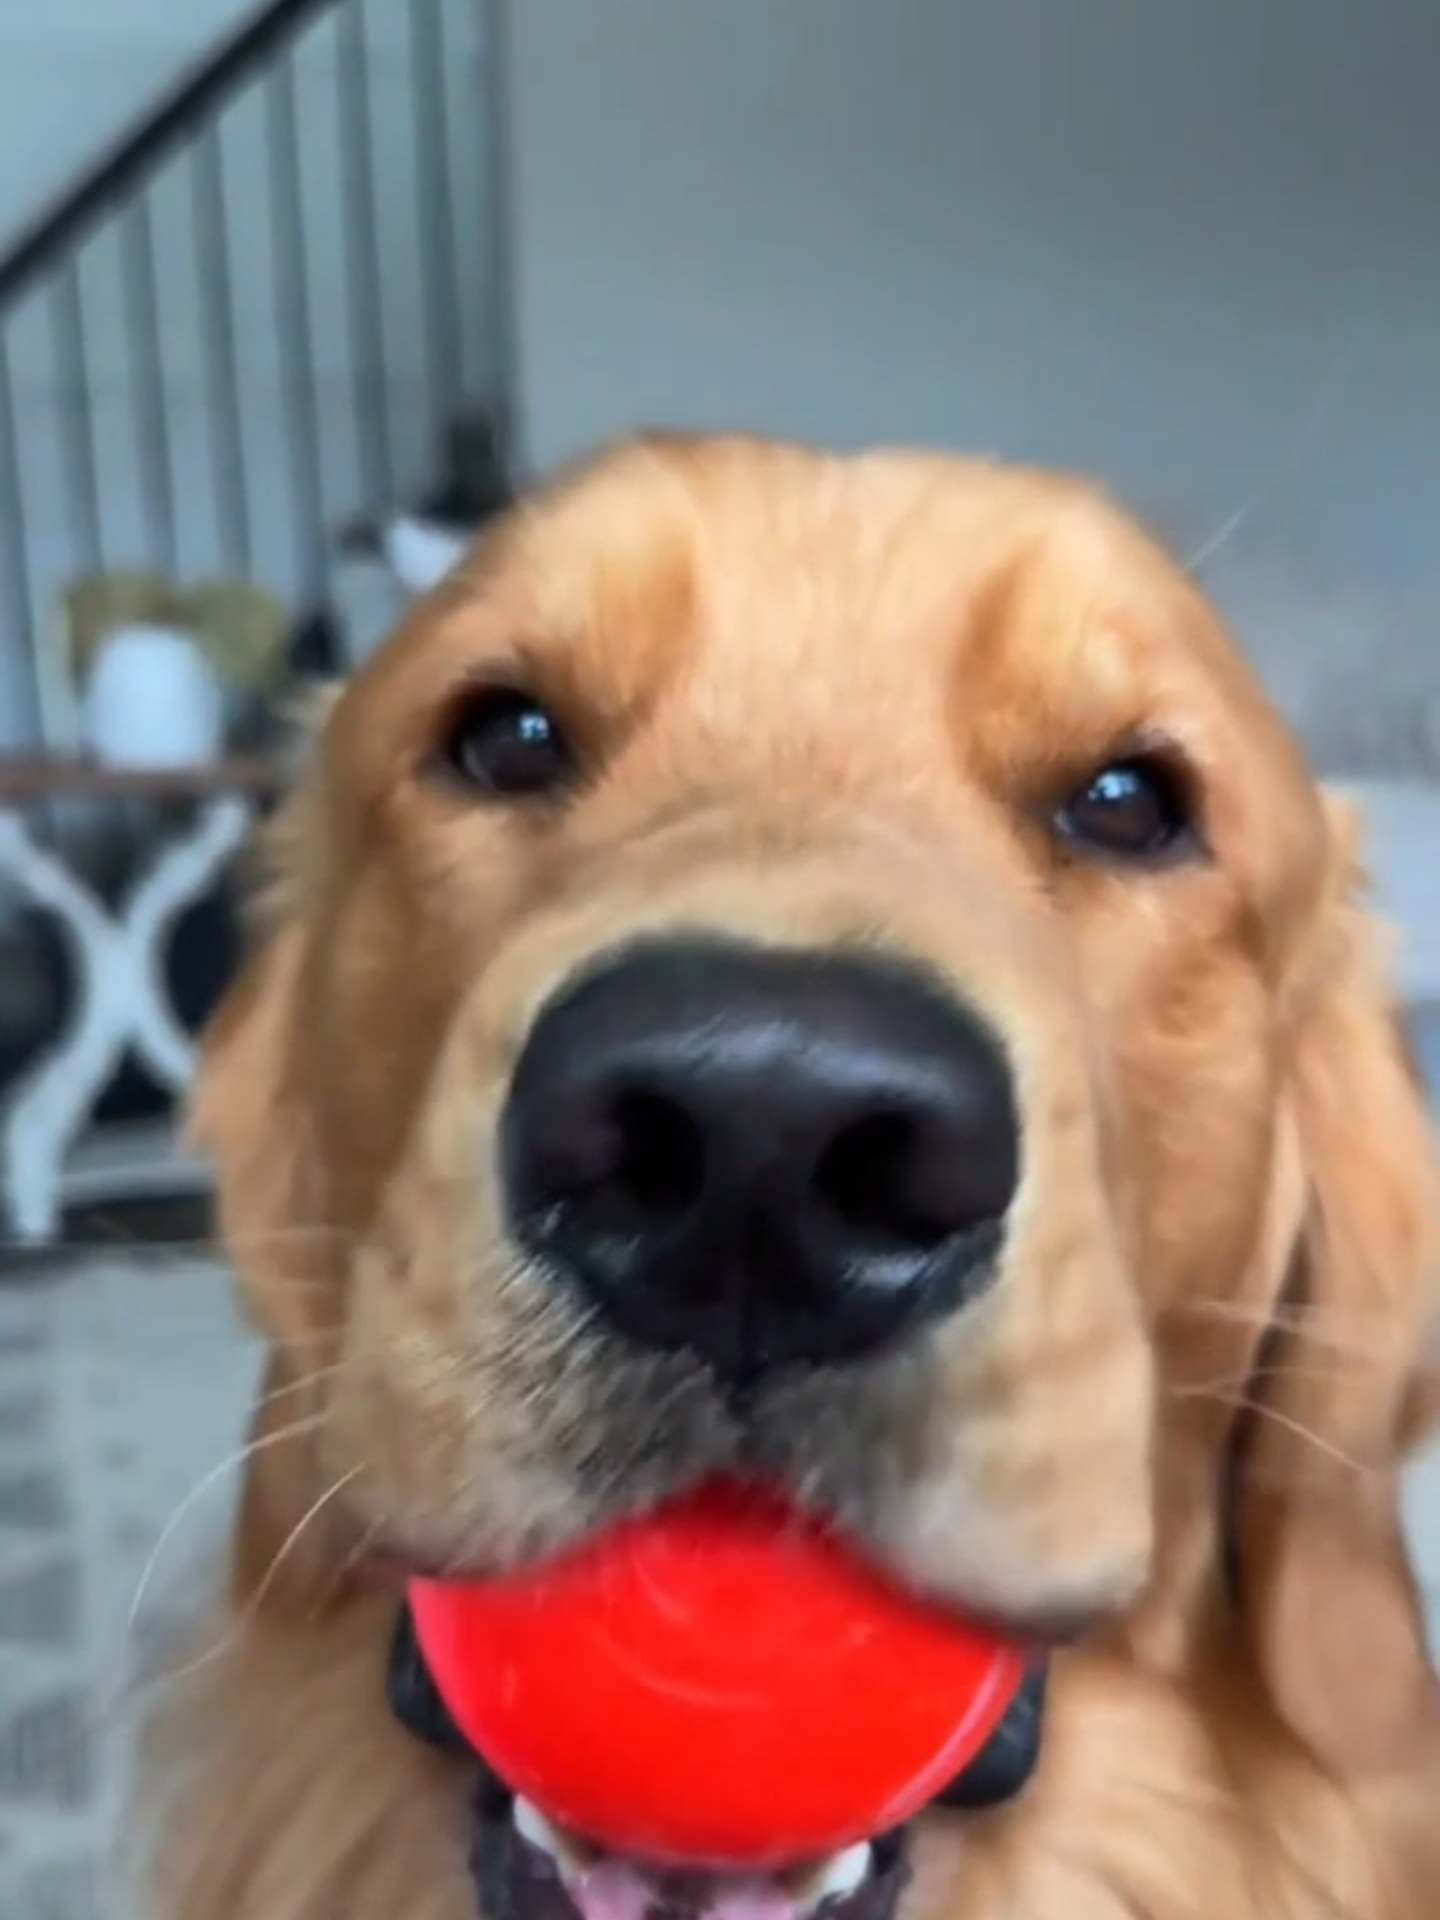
123,1380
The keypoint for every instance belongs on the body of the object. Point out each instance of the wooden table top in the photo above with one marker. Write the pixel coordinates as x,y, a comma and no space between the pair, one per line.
31,777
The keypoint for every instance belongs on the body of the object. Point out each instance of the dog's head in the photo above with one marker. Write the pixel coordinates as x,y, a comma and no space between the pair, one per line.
833,969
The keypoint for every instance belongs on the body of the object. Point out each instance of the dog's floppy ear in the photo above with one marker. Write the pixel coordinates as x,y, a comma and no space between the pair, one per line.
250,1108
251,1115
1330,1602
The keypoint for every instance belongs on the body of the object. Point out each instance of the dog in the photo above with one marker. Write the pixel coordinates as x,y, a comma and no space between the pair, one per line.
831,969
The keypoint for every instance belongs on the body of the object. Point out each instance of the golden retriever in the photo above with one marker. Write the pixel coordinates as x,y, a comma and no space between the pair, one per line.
830,967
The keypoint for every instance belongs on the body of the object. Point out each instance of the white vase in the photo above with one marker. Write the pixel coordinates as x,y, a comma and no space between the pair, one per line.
152,700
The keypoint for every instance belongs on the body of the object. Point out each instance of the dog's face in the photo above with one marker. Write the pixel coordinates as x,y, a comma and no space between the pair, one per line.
800,967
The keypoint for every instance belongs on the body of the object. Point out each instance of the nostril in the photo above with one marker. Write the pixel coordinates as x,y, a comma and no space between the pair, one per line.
871,1181
660,1154
603,1164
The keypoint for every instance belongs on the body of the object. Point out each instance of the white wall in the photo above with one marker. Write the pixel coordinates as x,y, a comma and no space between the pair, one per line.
1195,247
134,48
74,73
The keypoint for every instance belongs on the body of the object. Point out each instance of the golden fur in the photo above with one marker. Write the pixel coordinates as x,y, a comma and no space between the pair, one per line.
830,699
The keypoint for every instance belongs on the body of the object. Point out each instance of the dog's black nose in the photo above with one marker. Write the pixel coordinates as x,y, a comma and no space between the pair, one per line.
762,1156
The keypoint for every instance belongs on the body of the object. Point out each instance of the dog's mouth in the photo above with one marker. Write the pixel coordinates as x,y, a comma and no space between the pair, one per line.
527,1867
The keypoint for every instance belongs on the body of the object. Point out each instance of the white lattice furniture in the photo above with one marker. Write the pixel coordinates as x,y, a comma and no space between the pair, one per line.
50,1155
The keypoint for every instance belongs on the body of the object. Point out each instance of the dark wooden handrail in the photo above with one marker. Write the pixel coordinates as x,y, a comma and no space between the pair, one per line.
35,777
181,109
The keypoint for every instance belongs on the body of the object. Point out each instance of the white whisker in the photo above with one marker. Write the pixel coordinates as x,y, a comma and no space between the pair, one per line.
287,1545
176,1675
1242,1403
1332,383
201,1487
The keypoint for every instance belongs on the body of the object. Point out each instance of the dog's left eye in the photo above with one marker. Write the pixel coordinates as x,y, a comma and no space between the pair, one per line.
505,743
1130,810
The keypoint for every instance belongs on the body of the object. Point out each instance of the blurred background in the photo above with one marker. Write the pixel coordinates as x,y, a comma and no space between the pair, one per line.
293,296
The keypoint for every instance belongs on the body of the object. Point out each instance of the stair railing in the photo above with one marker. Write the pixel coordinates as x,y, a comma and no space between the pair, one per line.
274,162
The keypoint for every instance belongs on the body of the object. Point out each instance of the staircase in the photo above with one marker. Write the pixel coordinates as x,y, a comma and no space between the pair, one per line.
266,327
253,323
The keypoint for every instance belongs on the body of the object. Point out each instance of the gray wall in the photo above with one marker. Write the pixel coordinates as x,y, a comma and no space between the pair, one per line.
74,72
1193,246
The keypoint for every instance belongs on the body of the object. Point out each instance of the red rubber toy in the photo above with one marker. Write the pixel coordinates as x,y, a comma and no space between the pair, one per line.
721,1683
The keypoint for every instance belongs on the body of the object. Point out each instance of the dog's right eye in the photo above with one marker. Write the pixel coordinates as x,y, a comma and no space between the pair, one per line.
504,743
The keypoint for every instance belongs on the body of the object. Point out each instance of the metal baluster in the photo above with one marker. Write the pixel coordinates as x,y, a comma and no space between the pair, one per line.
295,326
73,369
212,238
503,346
439,272
153,455
14,544
362,258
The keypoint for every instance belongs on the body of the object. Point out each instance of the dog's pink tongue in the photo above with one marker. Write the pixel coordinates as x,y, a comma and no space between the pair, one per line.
618,1889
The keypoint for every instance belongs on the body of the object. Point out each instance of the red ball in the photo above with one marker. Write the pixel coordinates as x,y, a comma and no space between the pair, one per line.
721,1682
